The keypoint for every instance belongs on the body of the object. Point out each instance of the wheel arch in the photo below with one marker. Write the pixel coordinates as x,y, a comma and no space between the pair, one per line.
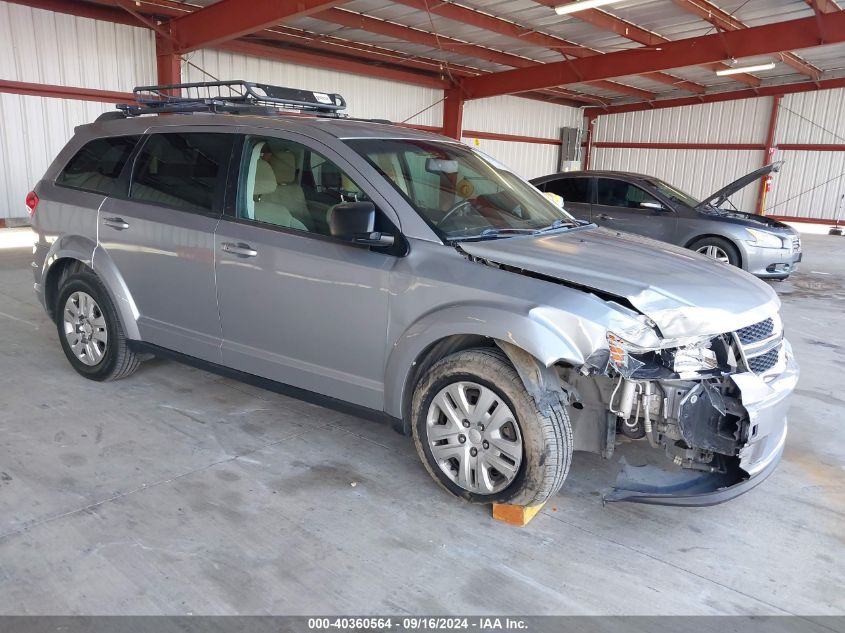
727,238
531,347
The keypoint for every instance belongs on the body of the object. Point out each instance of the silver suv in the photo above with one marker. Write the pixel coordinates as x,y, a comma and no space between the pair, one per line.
403,275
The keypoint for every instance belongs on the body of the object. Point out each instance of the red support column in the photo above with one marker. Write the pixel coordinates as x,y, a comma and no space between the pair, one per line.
453,113
770,150
591,120
168,63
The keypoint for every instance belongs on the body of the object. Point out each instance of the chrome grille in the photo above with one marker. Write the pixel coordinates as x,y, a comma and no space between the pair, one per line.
757,332
764,362
796,243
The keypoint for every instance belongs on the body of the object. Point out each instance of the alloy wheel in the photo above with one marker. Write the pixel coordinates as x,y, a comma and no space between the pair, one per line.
85,328
474,437
715,252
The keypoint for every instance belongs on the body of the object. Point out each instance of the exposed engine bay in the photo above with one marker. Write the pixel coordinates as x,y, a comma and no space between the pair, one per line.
688,402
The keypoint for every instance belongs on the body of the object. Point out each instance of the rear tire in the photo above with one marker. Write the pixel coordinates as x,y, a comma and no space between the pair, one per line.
89,328
718,248
478,378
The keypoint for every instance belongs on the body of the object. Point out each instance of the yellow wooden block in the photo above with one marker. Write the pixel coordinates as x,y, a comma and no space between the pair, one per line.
515,515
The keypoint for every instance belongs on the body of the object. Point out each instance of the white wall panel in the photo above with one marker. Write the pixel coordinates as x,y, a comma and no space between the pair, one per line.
366,97
744,121
523,117
812,117
809,185
528,160
698,172
34,130
40,46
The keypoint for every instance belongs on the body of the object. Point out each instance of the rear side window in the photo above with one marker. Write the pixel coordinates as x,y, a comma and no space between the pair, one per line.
570,189
97,166
183,171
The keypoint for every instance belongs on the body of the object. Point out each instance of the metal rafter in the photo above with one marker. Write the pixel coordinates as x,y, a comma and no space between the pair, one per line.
758,40
350,19
606,21
230,19
726,22
473,17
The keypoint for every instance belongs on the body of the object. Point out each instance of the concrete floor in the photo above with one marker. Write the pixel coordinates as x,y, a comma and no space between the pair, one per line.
177,491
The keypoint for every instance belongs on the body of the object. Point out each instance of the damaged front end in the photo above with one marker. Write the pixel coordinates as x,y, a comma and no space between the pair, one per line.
716,407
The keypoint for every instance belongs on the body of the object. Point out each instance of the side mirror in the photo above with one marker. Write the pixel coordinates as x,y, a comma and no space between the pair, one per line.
355,222
653,205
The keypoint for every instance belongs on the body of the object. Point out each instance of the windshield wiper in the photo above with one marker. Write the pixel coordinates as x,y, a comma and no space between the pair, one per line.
492,233
560,223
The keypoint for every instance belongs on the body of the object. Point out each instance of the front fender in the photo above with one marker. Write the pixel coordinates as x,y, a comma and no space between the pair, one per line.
528,332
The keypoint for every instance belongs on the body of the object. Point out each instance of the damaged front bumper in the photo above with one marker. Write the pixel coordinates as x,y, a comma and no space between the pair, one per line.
764,401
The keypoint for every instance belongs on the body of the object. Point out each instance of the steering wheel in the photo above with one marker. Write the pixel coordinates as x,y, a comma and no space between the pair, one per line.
452,210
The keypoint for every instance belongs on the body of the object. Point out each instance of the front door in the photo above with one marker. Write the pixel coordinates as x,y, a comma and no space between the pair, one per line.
575,192
297,305
161,238
623,206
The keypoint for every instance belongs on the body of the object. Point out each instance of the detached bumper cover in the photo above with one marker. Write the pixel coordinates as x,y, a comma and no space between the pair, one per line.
766,399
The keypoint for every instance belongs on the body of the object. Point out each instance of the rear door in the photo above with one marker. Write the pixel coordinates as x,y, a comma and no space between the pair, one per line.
297,305
575,192
624,206
160,236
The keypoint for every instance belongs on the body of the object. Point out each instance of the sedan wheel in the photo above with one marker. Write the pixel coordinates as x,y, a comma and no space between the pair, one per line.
715,252
85,328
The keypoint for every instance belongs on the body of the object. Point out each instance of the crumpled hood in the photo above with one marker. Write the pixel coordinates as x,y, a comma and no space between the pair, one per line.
684,293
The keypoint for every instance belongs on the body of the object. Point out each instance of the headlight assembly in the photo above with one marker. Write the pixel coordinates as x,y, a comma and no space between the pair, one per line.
673,359
764,239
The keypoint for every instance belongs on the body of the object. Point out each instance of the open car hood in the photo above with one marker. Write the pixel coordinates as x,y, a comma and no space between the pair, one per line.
684,293
718,198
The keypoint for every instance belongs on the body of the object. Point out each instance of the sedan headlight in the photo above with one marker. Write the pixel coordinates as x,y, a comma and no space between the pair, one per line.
684,358
764,239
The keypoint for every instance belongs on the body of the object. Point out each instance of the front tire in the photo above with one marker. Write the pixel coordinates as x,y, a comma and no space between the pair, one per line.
89,328
718,248
482,436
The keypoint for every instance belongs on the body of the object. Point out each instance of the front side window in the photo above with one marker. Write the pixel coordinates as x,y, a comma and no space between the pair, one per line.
288,184
673,193
570,189
183,171
97,166
458,191
618,193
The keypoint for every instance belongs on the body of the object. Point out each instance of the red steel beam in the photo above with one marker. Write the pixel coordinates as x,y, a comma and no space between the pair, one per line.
168,63
453,113
823,6
352,20
759,40
812,147
733,95
513,138
230,19
472,17
770,148
607,22
65,92
677,146
725,21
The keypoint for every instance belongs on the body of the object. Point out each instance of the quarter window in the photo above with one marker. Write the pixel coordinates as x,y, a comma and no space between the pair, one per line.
97,166
183,171
570,189
618,193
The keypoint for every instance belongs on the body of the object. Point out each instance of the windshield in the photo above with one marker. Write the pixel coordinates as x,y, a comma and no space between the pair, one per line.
674,194
458,191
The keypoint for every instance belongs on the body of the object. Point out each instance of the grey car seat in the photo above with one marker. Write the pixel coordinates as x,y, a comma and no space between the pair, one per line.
289,193
261,182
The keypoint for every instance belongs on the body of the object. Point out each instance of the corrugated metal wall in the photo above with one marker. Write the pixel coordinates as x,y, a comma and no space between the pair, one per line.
698,172
528,160
811,184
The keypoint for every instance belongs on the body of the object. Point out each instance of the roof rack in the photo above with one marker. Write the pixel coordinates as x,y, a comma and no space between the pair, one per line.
233,96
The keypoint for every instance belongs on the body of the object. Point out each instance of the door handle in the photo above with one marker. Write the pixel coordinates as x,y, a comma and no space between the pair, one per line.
116,223
604,216
240,249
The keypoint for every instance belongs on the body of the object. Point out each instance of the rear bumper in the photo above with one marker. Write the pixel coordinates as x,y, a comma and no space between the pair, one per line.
766,400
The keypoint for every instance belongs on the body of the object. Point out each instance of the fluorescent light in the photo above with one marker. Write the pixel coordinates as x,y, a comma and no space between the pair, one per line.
582,5
745,69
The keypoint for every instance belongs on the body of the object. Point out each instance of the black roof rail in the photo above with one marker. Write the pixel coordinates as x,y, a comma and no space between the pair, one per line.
232,96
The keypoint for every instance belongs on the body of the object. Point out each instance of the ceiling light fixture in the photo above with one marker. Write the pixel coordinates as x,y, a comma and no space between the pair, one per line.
745,69
582,5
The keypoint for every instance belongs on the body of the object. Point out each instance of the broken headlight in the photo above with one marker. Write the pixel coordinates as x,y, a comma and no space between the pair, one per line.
674,359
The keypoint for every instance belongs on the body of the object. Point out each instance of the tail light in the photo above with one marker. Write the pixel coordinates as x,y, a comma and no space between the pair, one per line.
31,202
